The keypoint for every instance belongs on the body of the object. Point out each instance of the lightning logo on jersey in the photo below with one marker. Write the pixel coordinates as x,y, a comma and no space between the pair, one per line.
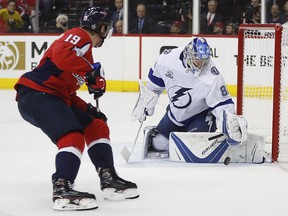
183,93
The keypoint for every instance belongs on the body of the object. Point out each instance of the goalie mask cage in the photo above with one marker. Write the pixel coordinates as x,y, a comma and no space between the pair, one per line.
262,85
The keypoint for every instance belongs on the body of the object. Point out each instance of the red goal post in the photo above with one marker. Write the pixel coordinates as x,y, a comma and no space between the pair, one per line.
262,84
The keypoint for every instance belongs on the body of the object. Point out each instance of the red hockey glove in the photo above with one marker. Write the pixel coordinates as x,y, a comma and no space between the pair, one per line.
95,81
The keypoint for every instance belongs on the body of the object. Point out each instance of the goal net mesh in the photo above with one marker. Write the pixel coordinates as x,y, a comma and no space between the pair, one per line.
259,47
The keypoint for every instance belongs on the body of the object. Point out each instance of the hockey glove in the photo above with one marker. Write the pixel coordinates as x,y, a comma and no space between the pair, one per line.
95,81
235,128
145,104
93,111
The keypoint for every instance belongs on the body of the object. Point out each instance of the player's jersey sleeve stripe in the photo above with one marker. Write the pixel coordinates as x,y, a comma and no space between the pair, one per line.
156,80
229,101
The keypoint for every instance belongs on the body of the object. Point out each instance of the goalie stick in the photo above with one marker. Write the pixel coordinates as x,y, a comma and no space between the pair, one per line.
126,154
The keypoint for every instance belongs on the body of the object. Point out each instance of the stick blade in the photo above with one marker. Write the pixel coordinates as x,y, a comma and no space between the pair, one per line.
125,154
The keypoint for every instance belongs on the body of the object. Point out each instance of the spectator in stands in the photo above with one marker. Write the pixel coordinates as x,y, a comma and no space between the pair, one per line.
177,28
163,27
231,29
119,27
218,28
118,13
275,15
208,20
142,24
252,13
62,22
3,26
11,17
27,12
284,16
186,17
48,6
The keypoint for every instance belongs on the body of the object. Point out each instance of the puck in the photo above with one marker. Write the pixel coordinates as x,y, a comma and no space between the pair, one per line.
227,160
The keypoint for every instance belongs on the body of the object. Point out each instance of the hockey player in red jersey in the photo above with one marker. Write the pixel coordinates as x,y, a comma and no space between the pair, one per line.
47,99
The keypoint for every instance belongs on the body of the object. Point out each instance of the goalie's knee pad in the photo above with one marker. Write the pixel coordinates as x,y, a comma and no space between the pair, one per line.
160,143
151,141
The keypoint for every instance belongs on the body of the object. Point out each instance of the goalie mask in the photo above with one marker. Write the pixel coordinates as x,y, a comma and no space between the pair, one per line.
99,20
197,55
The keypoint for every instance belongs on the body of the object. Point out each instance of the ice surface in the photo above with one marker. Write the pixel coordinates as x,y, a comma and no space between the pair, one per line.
166,188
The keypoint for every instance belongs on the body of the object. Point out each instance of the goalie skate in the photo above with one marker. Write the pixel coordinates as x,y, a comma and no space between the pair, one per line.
67,199
114,187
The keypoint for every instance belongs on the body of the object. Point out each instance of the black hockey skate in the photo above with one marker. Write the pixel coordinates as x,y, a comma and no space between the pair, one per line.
67,199
114,187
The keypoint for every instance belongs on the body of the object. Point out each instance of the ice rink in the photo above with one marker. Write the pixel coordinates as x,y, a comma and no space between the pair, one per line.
166,188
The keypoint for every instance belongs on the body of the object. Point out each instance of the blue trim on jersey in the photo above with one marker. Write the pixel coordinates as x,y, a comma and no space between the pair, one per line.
41,74
229,101
198,122
181,57
188,156
156,80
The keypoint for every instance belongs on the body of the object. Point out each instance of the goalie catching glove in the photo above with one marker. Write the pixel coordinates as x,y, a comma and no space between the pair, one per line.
234,127
145,104
95,81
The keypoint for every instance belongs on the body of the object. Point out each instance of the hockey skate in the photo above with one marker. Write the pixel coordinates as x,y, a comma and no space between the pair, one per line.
148,151
67,199
114,187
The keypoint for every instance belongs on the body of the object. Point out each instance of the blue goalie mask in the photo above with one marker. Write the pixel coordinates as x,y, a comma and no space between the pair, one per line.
197,55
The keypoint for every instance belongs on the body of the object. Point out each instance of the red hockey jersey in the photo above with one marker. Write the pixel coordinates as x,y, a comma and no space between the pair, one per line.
63,67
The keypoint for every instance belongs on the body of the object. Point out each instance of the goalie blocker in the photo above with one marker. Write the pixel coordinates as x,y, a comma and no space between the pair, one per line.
205,147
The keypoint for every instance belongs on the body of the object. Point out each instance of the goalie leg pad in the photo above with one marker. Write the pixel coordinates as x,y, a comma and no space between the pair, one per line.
250,151
197,147
147,140
204,147
148,151
255,148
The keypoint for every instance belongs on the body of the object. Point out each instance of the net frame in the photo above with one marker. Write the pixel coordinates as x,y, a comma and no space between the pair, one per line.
277,28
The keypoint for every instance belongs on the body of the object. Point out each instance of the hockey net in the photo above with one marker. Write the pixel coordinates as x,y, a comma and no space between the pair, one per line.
262,86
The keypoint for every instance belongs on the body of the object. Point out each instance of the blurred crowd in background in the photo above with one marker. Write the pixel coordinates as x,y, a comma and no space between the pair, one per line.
218,17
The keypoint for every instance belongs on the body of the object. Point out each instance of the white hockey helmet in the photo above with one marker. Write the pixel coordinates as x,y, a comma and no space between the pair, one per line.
197,54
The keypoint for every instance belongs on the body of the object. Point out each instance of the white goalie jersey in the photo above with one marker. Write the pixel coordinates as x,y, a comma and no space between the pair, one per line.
188,94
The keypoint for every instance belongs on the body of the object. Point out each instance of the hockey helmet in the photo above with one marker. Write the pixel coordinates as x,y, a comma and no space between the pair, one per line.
197,54
94,18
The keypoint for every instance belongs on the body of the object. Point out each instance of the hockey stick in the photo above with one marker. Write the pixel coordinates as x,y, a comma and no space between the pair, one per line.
125,152
97,103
